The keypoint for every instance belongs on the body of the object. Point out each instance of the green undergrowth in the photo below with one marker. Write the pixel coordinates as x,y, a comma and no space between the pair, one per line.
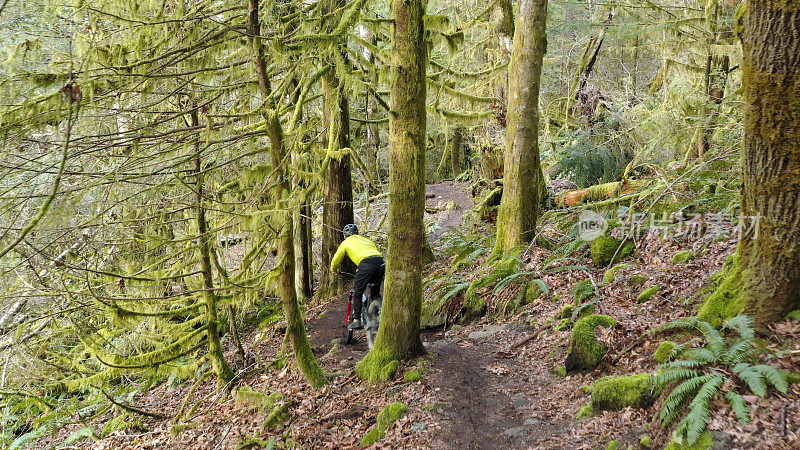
719,363
453,298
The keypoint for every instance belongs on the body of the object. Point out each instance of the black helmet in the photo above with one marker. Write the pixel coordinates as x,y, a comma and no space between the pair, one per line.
349,230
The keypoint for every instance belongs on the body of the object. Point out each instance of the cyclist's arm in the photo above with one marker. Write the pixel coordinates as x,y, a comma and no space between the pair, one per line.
338,257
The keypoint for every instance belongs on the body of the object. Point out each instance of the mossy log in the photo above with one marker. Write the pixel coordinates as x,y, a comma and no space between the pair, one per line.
598,192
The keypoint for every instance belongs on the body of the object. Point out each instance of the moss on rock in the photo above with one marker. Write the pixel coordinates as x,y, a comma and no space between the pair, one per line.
613,445
602,250
560,371
682,256
412,375
703,442
646,441
585,352
386,418
615,393
664,352
648,293
638,279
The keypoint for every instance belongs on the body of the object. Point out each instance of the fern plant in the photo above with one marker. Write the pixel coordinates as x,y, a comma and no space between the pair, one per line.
695,376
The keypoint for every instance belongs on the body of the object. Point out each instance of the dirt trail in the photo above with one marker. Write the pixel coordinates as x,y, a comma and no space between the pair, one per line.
483,401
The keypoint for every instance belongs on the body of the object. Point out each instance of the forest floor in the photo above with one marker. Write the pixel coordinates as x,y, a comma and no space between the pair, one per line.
475,391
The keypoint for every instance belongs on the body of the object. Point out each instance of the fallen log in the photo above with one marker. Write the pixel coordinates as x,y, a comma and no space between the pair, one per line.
598,192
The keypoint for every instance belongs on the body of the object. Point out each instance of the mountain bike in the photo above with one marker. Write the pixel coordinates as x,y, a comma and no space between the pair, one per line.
370,311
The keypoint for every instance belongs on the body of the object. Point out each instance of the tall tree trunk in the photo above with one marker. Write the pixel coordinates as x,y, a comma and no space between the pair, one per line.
221,368
764,281
337,191
516,220
398,337
281,195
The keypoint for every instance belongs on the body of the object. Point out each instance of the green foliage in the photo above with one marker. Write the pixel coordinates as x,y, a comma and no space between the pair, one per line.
700,374
588,156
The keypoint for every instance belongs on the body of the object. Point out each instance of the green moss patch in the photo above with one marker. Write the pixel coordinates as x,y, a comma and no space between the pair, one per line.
638,279
386,418
474,304
565,312
602,250
412,375
585,352
388,371
615,393
682,256
585,412
647,294
563,325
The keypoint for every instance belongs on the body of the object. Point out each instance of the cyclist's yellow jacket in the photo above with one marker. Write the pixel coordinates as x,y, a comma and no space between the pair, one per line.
356,248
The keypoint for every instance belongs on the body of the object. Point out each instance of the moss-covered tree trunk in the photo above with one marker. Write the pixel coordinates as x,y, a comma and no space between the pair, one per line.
455,150
221,368
398,337
765,279
337,191
281,195
516,220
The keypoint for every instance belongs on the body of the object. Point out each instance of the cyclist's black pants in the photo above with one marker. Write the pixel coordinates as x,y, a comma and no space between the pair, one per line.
370,270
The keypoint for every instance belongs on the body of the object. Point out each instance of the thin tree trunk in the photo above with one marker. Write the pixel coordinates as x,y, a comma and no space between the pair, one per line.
221,368
398,337
764,281
455,150
291,309
302,217
516,220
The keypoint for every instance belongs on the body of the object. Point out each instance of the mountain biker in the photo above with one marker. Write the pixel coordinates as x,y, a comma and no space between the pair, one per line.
369,260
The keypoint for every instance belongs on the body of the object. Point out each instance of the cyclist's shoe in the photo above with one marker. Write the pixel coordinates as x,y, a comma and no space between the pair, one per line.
355,324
